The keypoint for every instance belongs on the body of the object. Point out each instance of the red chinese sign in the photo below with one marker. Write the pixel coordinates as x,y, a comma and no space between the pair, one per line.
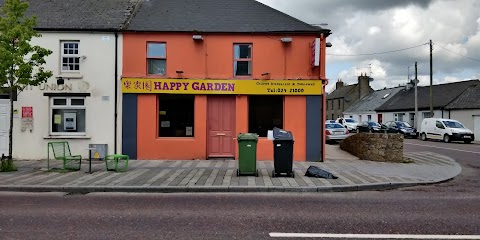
27,112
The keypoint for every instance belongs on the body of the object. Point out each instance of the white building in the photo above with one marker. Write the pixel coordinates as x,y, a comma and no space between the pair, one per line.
466,109
401,107
87,55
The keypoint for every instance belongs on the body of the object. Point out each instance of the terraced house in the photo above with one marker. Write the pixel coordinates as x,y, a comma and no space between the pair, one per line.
166,79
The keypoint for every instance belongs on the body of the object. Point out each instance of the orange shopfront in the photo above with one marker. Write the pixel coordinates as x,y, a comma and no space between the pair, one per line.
200,119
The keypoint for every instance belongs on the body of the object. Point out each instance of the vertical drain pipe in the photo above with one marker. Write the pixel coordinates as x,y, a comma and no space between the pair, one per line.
116,93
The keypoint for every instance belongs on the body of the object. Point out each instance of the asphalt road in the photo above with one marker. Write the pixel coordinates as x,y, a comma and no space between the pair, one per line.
451,208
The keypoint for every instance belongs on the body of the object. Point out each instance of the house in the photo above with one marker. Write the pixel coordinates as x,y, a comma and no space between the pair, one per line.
345,95
401,107
197,73
364,109
87,49
466,109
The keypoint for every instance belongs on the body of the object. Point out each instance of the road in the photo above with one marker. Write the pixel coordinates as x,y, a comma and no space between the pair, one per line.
450,208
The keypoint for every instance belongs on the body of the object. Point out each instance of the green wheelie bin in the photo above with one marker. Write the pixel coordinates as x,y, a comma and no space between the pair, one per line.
247,154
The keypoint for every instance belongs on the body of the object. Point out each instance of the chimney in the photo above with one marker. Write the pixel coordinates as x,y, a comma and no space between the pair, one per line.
339,84
364,85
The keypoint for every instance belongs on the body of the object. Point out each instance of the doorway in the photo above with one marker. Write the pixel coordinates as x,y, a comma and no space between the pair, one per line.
221,126
4,125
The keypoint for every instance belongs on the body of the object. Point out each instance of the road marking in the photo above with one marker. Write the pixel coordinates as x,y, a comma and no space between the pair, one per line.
372,236
443,148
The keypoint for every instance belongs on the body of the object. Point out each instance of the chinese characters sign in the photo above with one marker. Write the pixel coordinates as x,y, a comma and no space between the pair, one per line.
245,87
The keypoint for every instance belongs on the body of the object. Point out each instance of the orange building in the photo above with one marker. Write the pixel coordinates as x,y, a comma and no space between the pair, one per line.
196,75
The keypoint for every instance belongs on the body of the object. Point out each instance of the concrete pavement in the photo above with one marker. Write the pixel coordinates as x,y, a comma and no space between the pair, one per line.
220,175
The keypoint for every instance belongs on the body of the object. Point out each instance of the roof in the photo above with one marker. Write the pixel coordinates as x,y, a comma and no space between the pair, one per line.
106,15
469,99
216,16
341,92
373,100
443,94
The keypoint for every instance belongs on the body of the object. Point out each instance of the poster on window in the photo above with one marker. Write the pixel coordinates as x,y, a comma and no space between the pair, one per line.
27,119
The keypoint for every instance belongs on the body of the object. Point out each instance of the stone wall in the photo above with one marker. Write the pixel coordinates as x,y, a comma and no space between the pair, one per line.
375,146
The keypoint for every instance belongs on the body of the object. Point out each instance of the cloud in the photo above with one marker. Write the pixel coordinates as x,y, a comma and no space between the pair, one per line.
374,26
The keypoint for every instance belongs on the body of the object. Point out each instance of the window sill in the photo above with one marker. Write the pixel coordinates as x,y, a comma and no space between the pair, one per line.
66,137
70,75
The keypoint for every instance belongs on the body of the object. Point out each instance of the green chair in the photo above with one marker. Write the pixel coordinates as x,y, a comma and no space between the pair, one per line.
117,162
61,151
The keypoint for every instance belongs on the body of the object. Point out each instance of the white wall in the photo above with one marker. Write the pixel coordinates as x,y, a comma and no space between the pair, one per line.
390,116
362,117
97,70
465,117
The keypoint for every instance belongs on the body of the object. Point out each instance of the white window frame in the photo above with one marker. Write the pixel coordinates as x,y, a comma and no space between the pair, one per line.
67,106
63,55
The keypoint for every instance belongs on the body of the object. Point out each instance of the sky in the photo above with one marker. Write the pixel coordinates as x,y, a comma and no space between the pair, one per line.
363,28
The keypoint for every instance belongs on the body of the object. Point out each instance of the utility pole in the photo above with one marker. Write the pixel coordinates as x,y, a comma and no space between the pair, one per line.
415,124
431,79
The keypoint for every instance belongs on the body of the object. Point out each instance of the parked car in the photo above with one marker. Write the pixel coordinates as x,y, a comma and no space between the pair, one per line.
335,132
401,127
330,121
445,129
348,123
369,126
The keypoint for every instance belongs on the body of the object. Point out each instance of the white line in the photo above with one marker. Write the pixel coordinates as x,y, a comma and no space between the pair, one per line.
372,236
443,148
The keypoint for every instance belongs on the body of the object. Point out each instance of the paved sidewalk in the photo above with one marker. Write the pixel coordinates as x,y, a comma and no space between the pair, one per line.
220,176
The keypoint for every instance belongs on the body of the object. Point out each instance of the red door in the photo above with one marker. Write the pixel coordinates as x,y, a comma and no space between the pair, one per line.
221,126
380,118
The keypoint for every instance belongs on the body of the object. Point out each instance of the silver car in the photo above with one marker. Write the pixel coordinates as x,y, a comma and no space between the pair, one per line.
335,132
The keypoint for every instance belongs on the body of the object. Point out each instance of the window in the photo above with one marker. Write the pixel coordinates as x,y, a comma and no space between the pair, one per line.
70,56
399,116
156,58
369,118
242,65
438,124
176,115
264,113
426,114
339,104
68,115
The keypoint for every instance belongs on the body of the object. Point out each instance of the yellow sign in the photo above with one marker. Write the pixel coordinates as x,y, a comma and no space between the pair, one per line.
201,86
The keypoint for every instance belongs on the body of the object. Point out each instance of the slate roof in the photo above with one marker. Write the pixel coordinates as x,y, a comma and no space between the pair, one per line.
93,15
216,16
469,99
373,100
341,92
443,94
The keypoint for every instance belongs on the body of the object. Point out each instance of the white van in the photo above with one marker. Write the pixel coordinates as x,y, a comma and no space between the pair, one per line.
445,129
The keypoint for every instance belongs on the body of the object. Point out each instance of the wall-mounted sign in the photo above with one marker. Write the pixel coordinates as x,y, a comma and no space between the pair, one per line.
27,119
316,52
244,87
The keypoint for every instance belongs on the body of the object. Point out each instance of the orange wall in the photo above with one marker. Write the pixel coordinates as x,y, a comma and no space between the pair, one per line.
213,57
149,146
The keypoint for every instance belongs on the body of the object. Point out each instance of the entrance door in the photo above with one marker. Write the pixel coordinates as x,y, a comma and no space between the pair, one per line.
380,118
476,127
221,126
4,125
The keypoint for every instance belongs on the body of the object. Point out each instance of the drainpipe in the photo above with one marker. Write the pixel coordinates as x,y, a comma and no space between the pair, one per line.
323,78
116,93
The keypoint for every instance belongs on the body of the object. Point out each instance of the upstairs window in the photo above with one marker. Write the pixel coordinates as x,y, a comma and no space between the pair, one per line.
156,58
70,56
242,65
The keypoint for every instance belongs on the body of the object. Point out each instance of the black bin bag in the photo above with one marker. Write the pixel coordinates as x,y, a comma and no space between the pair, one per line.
313,171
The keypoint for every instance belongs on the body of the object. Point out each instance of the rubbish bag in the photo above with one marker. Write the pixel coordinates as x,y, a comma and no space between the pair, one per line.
313,171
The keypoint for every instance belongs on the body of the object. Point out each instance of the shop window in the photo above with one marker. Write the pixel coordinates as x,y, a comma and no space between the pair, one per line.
176,115
70,56
156,58
68,115
242,59
264,113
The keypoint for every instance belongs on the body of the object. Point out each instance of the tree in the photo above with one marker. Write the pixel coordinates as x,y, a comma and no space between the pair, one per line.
21,64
